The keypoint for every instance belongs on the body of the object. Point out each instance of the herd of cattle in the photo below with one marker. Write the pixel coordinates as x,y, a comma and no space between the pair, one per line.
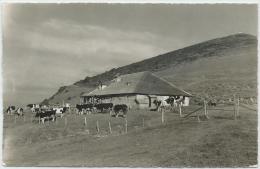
51,113
44,113
102,107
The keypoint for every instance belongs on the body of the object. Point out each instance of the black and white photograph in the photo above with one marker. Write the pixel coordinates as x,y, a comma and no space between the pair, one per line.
129,85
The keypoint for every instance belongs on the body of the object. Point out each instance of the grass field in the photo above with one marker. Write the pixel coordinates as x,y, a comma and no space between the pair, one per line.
220,141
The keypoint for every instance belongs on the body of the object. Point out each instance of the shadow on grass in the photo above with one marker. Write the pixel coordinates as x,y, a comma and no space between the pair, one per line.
222,117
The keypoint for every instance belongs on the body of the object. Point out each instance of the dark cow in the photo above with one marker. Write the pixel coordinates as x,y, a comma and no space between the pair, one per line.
104,106
30,105
170,101
84,107
46,115
120,108
157,104
10,110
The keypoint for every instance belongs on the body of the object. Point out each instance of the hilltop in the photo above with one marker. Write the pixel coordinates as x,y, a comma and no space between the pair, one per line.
219,67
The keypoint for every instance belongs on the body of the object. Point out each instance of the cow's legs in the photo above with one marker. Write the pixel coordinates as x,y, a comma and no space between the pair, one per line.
42,119
53,118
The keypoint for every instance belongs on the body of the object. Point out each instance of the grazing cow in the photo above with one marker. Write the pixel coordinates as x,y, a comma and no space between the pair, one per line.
60,111
104,106
120,108
10,110
19,111
46,115
84,108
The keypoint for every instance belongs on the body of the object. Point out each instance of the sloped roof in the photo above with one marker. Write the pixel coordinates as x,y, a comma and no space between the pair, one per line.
139,83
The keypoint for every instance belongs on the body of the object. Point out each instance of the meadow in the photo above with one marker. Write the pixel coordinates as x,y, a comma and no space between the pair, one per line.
220,141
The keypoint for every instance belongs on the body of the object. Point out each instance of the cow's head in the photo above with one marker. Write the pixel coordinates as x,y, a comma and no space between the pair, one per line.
30,105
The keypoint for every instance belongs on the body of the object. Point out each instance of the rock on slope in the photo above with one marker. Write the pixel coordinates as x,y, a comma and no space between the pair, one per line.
220,67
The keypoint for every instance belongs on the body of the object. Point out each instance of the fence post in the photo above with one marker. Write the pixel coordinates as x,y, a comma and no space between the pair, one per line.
85,121
125,125
205,109
235,108
109,126
97,127
162,115
180,110
143,122
198,117
238,106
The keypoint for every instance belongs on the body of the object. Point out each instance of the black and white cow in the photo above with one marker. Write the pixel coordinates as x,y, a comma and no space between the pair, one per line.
171,101
157,104
19,111
10,110
46,115
35,108
60,111
120,108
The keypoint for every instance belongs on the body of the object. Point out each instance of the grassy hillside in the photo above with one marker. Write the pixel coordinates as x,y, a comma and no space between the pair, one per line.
217,142
219,67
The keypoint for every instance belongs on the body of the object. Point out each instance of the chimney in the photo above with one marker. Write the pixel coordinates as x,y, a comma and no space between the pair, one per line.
100,85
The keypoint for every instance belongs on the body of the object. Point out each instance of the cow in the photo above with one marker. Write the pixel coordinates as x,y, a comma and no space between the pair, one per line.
212,103
10,110
104,106
47,114
120,108
60,111
85,108
19,111
157,104
172,102
34,107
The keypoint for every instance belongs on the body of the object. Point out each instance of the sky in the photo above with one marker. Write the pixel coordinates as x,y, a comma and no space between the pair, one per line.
46,46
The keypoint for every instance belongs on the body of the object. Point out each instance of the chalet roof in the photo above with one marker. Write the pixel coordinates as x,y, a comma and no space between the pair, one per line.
139,83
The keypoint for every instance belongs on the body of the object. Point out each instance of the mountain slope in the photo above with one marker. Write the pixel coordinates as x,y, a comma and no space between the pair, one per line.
220,67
